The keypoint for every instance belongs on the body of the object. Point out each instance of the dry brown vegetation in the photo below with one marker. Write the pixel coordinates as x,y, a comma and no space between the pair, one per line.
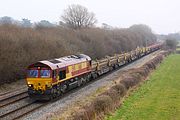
20,47
111,99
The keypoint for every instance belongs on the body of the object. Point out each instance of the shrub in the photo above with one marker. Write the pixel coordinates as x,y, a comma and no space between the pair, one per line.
128,82
139,73
102,104
151,65
113,94
120,88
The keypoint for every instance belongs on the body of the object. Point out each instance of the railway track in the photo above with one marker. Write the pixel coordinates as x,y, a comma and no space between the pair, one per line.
17,104
6,100
28,106
14,91
21,111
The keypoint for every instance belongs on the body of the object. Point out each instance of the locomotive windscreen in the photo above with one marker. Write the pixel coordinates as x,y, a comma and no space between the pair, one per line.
33,73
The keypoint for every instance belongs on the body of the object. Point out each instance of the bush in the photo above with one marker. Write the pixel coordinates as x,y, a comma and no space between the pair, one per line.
151,65
128,82
102,103
120,88
113,94
139,73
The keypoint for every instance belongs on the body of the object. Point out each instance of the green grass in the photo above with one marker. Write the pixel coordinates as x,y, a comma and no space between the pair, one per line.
158,98
177,48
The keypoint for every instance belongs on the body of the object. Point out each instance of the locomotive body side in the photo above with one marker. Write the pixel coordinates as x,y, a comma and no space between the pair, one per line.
50,78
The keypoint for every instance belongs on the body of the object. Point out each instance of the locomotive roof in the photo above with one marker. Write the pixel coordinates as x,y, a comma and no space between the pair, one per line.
65,61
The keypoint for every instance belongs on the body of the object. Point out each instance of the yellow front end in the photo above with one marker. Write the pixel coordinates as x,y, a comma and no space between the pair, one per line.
39,83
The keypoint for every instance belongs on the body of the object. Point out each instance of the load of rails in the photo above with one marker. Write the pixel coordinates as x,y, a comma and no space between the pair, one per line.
49,79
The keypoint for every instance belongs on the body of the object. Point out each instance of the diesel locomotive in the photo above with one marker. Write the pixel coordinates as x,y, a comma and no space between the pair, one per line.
49,79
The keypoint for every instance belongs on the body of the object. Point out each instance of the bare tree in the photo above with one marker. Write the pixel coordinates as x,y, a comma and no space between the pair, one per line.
77,16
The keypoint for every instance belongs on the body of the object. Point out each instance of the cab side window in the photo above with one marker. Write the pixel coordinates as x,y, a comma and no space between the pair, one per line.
54,73
62,74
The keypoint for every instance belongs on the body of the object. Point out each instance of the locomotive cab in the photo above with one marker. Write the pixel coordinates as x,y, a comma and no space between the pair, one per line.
39,78
50,78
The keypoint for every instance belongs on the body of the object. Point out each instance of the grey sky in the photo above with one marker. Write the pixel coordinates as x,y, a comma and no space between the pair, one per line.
161,15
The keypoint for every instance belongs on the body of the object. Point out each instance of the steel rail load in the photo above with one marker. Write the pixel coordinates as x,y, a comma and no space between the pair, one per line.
48,79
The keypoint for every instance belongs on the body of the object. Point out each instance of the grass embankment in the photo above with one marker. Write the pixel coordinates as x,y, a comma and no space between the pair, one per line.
158,98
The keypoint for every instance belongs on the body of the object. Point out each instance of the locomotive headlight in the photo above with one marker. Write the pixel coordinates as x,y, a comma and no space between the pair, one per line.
29,85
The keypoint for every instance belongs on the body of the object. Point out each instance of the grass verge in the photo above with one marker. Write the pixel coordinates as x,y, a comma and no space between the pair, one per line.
178,48
158,98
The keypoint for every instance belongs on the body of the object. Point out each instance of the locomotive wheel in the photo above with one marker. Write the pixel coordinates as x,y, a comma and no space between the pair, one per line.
54,95
79,83
83,80
63,88
94,76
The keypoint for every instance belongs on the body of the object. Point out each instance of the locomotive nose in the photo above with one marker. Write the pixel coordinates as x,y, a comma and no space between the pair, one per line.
39,87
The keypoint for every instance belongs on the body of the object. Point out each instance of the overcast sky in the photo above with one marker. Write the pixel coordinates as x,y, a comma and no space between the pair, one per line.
163,16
